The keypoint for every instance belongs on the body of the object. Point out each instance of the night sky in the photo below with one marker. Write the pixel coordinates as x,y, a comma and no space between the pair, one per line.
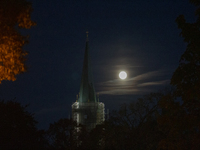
137,36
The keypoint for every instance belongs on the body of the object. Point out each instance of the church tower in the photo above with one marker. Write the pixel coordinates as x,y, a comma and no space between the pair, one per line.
87,110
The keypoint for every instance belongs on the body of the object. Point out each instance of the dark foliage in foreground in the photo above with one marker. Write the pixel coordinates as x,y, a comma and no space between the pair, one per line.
181,120
18,128
133,126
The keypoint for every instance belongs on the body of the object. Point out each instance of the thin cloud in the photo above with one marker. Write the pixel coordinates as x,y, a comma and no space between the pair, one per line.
154,83
136,85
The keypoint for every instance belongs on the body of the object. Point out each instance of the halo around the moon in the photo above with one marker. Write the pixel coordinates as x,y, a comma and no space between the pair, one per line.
122,75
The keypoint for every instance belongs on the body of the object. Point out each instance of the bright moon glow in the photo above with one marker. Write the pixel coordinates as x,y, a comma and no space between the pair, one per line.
122,75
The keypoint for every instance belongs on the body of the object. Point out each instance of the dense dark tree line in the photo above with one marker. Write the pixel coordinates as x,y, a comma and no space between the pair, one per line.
133,126
151,122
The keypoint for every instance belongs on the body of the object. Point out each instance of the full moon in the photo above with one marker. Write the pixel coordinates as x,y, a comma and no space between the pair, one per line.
122,75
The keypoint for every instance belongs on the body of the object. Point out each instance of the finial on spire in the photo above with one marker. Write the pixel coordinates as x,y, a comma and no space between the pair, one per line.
87,35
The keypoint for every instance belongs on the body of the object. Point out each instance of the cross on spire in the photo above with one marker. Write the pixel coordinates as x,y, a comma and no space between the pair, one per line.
87,35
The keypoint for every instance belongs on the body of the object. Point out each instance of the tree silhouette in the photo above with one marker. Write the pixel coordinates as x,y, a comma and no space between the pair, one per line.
61,134
134,125
186,77
94,139
18,128
14,14
181,119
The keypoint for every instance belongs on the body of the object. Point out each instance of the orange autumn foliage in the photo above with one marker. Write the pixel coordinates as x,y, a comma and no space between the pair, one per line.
14,14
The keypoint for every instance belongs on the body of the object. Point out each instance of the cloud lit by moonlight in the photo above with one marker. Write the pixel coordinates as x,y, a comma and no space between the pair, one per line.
122,75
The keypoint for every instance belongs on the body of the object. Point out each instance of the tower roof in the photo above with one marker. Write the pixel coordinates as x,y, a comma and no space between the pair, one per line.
87,92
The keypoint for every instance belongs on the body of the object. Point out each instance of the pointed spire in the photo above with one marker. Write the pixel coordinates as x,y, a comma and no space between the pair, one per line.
87,91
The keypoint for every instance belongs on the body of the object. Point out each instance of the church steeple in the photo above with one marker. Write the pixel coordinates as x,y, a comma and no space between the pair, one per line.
86,110
87,92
